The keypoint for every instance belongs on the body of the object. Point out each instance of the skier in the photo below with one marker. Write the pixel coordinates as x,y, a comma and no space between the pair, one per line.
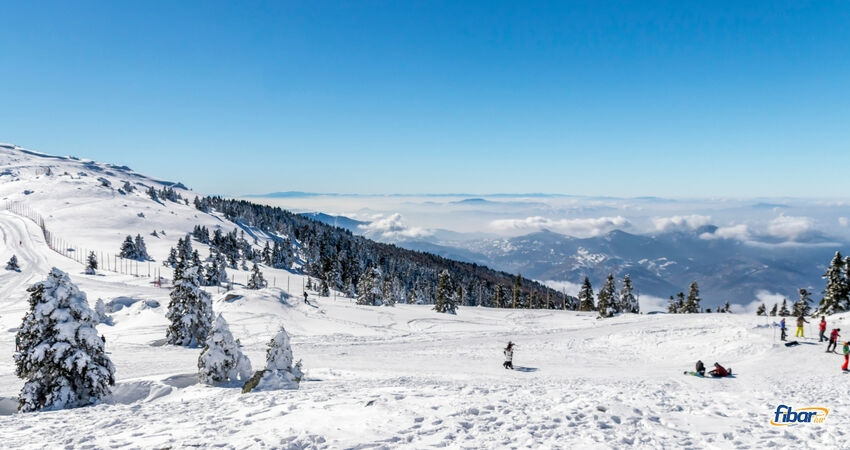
509,356
782,328
720,371
833,340
846,355
822,328
800,321
305,298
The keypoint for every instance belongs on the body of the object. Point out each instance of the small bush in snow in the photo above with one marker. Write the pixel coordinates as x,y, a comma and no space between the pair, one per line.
59,353
13,264
279,372
222,359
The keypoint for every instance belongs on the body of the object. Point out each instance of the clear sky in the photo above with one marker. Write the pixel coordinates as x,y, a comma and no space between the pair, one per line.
673,98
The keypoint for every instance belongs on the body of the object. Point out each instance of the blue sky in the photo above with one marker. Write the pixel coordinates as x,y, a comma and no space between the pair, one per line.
671,98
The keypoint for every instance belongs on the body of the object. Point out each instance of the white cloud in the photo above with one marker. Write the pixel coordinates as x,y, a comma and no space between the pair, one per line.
649,303
585,227
762,297
393,227
564,286
843,221
691,222
740,232
789,227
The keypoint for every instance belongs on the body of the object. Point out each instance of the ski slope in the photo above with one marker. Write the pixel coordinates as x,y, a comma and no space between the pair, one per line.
394,377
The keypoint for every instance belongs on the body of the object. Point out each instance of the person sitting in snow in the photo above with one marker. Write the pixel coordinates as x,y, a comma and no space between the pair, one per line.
720,371
700,368
833,340
822,328
782,328
509,356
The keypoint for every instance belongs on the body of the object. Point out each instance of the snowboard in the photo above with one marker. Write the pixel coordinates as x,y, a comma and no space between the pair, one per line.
791,344
696,374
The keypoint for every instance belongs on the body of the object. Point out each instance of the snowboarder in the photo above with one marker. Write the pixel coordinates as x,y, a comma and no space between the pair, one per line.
305,298
782,328
846,355
700,368
800,321
720,371
509,356
822,328
833,340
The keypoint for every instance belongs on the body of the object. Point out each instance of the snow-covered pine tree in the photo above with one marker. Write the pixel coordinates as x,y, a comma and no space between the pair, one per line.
100,314
628,302
726,307
171,261
783,312
325,290
13,264
607,304
128,248
221,359
498,297
256,281
585,296
516,292
773,310
803,306
680,303
692,303
279,373
190,311
141,248
835,295
91,264
761,310
446,302
60,356
369,287
672,306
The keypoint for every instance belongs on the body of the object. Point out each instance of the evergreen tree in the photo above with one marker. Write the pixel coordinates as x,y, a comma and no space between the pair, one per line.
141,249
60,356
692,304
13,264
773,310
369,288
585,296
446,302
628,302
190,311
279,373
498,297
221,359
516,291
761,311
128,248
256,281
803,306
783,312
672,306
726,307
171,261
836,295
91,264
325,290
680,303
607,302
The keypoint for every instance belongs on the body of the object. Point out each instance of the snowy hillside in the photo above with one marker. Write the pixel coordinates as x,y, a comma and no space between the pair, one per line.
386,377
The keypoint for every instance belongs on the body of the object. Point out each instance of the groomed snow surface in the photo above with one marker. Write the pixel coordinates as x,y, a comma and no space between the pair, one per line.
406,376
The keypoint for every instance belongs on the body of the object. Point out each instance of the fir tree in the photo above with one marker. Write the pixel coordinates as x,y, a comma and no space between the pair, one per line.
762,310
256,281
13,264
190,311
803,306
141,248
672,306
773,310
279,373
783,312
60,356
692,304
628,302
445,301
128,248
516,291
726,307
171,261
221,359
607,301
680,303
369,288
498,297
835,295
91,264
585,296
325,290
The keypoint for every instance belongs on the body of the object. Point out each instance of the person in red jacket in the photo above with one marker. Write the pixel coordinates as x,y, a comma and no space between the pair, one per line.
822,328
720,371
833,340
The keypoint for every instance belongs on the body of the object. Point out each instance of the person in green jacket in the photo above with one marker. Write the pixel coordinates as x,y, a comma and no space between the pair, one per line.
846,355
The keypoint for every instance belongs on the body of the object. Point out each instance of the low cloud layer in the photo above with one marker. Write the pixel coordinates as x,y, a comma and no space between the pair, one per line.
690,222
393,227
789,227
585,227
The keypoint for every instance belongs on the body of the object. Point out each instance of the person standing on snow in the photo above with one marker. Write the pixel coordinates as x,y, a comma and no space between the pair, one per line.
509,356
846,355
800,321
782,328
833,340
305,298
822,328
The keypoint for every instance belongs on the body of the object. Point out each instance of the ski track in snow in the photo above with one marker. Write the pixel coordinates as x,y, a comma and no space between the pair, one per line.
405,376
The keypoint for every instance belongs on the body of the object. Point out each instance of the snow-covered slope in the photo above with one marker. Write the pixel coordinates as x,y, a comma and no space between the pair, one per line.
388,377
